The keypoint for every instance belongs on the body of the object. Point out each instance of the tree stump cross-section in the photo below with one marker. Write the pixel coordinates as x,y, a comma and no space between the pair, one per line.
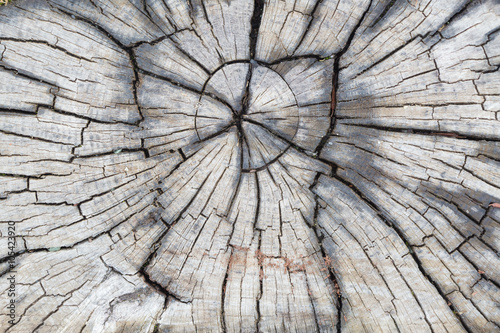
250,166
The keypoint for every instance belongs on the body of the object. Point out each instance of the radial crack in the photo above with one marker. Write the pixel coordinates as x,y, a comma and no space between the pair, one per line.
255,23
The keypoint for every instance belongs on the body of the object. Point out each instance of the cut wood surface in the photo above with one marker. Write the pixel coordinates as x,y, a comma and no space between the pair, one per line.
250,166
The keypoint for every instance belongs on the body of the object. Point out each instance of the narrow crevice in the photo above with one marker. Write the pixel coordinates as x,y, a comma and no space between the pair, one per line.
279,136
92,2
155,246
144,149
306,30
311,300
19,112
245,101
55,47
145,9
187,55
159,288
459,12
116,151
182,154
441,293
335,82
35,138
220,48
384,12
79,116
401,236
82,140
236,191
483,274
255,23
455,135
387,56
151,42
223,298
261,268
261,282
414,296
325,257
177,84
220,132
26,75
135,83
293,58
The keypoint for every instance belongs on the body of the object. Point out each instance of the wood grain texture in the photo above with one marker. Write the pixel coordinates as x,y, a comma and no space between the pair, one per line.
250,166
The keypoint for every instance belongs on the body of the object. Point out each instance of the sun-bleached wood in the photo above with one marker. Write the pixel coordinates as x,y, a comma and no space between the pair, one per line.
251,166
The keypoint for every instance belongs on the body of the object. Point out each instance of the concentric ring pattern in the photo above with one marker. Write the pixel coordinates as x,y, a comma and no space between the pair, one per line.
251,166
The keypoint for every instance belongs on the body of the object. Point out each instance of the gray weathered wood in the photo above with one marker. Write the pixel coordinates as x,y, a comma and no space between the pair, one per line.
250,166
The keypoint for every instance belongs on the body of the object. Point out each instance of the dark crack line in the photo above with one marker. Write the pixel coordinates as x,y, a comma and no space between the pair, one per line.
261,278
306,30
245,101
186,54
223,291
32,137
477,268
180,85
455,135
220,132
324,255
52,108
335,82
401,236
255,24
292,145
135,83
159,288
127,49
388,55
384,13
292,58
260,264
36,41
276,134
267,164
19,111
157,245
460,12
207,19
116,151
27,75
228,245
182,154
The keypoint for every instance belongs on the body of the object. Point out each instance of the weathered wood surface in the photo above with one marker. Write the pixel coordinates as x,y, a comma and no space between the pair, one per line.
250,166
